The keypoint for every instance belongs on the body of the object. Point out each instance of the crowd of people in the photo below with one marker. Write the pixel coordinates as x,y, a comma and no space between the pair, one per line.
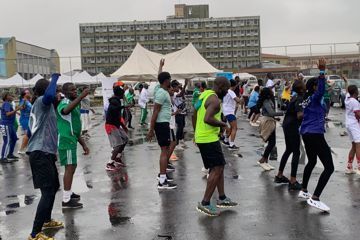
54,120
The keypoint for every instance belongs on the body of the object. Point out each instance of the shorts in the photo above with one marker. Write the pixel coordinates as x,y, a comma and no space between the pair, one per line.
24,123
230,118
85,121
354,133
163,134
211,154
68,157
44,171
253,110
118,137
246,100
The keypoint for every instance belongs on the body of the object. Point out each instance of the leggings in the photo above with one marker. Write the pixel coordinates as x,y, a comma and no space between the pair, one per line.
316,146
44,209
9,140
292,143
180,125
271,144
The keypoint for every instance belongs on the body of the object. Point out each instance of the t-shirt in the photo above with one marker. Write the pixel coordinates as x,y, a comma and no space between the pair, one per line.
180,103
69,126
143,98
286,94
269,84
85,103
129,99
43,128
254,97
7,120
113,114
196,95
229,103
25,113
162,97
352,105
291,122
327,92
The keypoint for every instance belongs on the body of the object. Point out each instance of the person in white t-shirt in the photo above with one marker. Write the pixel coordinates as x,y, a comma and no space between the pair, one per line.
143,100
352,118
270,82
229,105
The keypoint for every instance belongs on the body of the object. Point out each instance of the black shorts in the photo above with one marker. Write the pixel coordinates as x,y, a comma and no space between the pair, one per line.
212,154
44,171
172,136
163,134
255,110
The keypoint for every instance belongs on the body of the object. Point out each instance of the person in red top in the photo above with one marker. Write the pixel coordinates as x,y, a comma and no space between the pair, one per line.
115,128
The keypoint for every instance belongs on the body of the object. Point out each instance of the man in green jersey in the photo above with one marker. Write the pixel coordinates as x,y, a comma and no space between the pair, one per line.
69,127
129,103
207,123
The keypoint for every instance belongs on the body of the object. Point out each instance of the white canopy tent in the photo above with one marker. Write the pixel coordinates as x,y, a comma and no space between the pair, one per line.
144,64
84,78
33,81
15,81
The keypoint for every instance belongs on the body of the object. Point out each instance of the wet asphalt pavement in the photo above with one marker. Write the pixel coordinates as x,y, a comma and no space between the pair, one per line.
127,204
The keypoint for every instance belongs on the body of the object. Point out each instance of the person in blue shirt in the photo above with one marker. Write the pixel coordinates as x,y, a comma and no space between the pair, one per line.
312,130
254,111
7,129
25,98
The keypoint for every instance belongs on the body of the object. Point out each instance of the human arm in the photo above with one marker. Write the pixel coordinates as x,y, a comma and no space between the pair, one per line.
162,63
72,105
212,107
319,93
194,119
157,108
50,92
182,92
84,146
7,109
346,82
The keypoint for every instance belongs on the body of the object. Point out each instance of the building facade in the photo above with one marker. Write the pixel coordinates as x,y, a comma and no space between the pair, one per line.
227,43
26,59
191,11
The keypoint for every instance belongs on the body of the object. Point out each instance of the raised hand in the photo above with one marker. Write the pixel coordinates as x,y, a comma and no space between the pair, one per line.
322,64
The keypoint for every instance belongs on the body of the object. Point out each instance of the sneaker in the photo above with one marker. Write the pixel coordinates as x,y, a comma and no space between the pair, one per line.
12,157
40,236
225,143
209,210
75,196
294,186
21,152
269,166
318,204
72,204
53,224
281,180
110,167
170,168
349,171
357,171
179,148
5,160
226,203
264,166
173,157
233,148
168,178
255,124
304,195
166,185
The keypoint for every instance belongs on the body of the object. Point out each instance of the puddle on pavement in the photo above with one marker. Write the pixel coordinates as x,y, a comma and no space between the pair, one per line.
17,201
6,213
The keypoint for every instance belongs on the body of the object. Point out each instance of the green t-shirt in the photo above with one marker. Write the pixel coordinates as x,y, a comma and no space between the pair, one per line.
69,126
327,92
162,97
129,99
196,95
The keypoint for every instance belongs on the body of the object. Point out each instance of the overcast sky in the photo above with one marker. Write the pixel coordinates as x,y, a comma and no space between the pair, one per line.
55,23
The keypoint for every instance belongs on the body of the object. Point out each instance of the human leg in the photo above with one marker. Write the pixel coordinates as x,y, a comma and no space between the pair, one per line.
6,141
311,152
271,144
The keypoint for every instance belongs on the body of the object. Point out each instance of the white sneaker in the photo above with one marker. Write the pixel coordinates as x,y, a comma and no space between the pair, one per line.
304,195
254,124
271,167
204,170
318,204
264,166
349,171
21,152
357,171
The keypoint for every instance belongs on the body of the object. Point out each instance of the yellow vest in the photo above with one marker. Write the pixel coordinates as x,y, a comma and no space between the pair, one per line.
205,133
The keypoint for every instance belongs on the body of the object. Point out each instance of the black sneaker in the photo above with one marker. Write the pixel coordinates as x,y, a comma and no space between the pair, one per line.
281,180
5,160
75,196
72,204
168,178
225,143
13,157
295,186
170,168
166,185
233,147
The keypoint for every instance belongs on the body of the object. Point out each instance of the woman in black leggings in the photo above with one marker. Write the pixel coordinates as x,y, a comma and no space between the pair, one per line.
291,125
312,131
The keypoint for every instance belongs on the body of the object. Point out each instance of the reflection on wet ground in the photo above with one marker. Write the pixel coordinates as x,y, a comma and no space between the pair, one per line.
13,202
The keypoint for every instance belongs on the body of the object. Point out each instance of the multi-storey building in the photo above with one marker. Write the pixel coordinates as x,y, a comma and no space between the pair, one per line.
26,59
227,43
